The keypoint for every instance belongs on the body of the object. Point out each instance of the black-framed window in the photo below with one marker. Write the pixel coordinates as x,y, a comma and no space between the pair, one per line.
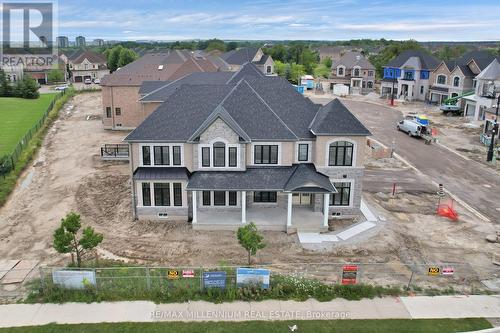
118,111
146,155
264,196
206,198
342,198
232,198
146,194
456,81
340,153
177,194
219,149
233,156
162,155
205,156
162,194
356,72
108,111
303,152
265,154
219,198
441,79
176,155
340,71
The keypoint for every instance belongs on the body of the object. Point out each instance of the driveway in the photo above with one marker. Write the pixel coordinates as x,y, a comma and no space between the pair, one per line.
470,181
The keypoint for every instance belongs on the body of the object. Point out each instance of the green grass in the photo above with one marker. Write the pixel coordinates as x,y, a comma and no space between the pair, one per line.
17,117
316,326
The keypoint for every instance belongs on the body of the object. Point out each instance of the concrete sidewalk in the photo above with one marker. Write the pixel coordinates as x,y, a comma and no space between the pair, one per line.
418,307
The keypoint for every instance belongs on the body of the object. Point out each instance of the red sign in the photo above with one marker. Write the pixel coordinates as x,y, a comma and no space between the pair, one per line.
188,274
447,271
349,274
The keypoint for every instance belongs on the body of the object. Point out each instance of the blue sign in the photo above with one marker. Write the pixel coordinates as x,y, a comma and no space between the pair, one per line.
253,276
214,280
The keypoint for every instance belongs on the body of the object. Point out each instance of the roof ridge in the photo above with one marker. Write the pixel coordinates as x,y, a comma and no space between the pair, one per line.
267,105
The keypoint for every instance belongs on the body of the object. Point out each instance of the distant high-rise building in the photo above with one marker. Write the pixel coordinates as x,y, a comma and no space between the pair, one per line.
98,42
80,41
62,41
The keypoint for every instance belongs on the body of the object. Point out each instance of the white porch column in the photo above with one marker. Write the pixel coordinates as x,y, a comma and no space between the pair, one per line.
289,211
326,205
243,207
195,207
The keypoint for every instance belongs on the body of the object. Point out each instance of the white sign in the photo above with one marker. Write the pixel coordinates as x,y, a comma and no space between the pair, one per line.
447,271
73,279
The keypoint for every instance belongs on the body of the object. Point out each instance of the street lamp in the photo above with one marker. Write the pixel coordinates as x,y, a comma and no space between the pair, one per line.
494,131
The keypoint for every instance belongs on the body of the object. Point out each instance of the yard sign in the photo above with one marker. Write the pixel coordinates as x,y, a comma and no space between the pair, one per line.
349,274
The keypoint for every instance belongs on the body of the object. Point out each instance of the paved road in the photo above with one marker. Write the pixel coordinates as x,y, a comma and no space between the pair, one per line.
470,181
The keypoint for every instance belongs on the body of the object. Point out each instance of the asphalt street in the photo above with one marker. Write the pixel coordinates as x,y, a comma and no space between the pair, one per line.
470,181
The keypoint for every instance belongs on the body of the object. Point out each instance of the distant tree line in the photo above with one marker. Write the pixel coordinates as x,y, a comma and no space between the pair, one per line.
25,88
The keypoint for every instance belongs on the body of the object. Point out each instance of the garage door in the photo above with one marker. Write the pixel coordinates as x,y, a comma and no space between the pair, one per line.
87,77
78,79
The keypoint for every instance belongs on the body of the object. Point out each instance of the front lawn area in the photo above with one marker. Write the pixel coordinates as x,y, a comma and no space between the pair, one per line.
17,117
318,326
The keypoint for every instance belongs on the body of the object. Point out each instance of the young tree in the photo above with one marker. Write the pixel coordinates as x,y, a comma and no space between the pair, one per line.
113,58
66,238
296,71
55,75
126,57
279,68
29,88
322,71
250,239
5,87
327,62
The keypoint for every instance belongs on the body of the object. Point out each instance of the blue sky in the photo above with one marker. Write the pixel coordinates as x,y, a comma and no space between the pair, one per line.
275,20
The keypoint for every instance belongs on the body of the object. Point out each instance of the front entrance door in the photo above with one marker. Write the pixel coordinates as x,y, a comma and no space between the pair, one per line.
301,199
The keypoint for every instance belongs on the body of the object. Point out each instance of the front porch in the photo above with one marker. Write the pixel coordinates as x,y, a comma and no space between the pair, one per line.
266,218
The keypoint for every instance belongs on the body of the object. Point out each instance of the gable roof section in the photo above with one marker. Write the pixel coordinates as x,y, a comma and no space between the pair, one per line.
491,72
304,175
335,119
240,56
351,59
427,61
92,57
247,70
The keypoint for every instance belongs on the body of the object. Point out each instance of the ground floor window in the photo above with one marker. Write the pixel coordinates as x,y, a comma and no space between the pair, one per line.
162,194
342,198
177,194
219,198
264,196
232,198
146,194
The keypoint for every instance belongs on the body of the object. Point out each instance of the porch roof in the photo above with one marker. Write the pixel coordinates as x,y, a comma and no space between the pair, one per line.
295,178
441,89
161,173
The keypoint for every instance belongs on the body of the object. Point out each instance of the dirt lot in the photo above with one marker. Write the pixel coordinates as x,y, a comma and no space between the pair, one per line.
69,175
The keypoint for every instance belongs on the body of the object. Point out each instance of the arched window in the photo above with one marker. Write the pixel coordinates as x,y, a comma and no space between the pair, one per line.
340,71
441,79
369,84
269,70
456,81
340,153
356,71
219,150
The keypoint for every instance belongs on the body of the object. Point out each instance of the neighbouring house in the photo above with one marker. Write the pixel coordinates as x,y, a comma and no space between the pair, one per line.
251,149
41,72
354,71
86,65
236,58
481,105
332,52
456,77
409,74
12,72
121,89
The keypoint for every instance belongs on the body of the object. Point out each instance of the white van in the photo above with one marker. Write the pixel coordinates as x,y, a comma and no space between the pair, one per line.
411,127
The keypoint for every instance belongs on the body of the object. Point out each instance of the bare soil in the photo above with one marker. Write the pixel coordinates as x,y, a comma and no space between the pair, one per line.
68,175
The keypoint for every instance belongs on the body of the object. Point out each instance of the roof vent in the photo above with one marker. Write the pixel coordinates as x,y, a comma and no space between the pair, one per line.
160,67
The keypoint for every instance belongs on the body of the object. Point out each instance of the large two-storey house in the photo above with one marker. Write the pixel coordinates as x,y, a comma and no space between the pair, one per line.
251,149
408,75
354,71
237,58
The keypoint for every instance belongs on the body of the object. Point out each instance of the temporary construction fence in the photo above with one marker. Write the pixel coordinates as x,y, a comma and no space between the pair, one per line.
8,162
129,281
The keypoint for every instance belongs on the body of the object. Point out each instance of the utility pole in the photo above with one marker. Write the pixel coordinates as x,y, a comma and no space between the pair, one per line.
494,133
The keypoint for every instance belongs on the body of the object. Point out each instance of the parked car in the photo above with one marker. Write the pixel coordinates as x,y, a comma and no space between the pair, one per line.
88,81
97,81
63,87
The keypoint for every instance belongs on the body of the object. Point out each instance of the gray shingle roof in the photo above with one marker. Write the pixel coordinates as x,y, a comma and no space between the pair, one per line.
351,59
335,118
281,178
160,173
266,108
427,61
148,86
240,56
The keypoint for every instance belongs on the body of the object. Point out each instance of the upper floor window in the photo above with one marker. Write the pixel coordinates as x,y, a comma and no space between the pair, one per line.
303,153
108,112
370,73
356,72
424,75
265,154
162,155
118,111
146,155
219,150
340,153
441,79
269,70
409,74
456,81
340,71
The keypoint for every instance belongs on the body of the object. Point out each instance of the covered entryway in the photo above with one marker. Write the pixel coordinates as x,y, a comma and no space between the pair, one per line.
301,199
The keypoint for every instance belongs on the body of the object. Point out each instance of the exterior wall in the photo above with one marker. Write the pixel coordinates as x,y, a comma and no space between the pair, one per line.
92,73
126,98
148,108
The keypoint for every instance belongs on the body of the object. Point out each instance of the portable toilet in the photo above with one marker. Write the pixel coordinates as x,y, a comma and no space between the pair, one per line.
307,81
